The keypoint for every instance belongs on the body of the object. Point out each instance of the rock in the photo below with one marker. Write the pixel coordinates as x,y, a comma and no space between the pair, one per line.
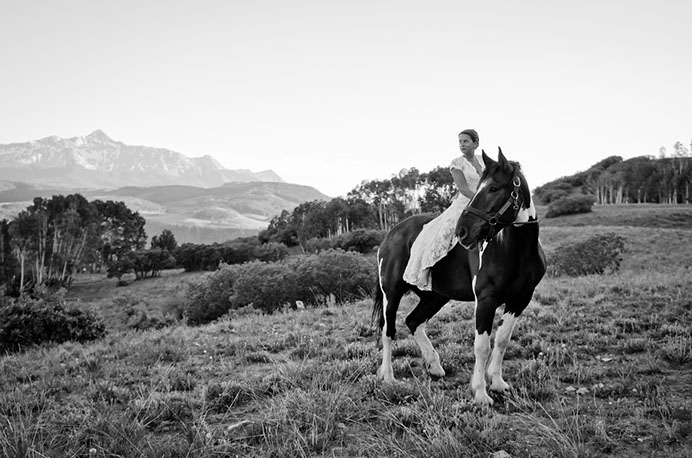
501,454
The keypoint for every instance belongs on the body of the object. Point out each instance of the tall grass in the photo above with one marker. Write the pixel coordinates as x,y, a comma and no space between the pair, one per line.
600,366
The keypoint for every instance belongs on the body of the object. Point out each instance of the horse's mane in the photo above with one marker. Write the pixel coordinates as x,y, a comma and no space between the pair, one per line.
515,169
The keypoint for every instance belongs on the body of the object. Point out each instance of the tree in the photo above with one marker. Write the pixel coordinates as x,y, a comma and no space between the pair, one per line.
165,241
282,229
25,233
122,230
439,190
8,262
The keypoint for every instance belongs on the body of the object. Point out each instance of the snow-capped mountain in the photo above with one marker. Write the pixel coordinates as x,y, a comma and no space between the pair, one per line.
97,161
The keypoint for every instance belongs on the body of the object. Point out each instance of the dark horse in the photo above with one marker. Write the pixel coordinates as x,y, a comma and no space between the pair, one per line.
498,260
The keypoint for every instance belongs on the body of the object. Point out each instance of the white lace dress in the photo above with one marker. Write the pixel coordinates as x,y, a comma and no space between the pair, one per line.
437,237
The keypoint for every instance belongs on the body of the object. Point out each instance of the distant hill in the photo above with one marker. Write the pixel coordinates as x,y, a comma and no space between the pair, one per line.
97,161
613,180
197,198
193,214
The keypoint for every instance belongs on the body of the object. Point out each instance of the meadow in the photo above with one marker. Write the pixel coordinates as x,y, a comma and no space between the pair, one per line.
599,366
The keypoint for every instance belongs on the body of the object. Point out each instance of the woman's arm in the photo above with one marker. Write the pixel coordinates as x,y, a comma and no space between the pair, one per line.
461,183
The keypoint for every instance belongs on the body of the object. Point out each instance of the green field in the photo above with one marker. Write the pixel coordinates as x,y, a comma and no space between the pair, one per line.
599,366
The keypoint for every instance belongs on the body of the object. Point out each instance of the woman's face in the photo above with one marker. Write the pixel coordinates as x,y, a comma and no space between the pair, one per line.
466,144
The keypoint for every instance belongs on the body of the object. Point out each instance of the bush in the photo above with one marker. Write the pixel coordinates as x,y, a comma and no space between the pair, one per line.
317,245
360,240
209,298
208,257
596,255
135,316
347,276
313,279
570,206
270,252
32,321
267,286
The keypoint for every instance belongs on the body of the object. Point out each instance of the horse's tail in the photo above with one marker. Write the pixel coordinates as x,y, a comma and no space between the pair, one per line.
377,304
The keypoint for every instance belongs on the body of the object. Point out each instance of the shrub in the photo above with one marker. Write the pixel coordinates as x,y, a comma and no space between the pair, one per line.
347,276
267,286
270,252
32,321
595,255
144,263
208,257
317,245
570,206
360,240
135,316
209,298
314,279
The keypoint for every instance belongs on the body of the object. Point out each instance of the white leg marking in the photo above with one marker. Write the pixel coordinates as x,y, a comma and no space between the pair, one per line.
430,356
502,337
481,347
385,371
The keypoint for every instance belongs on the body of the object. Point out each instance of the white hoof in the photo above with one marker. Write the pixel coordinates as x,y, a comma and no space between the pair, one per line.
498,385
482,399
385,373
436,370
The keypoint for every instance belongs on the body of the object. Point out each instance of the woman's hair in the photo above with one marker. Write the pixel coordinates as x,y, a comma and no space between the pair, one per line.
471,133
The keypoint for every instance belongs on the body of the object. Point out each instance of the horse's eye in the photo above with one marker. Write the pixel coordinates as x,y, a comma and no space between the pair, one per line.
494,189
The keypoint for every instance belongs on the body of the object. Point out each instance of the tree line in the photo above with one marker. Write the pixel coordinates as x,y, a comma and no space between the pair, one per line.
53,238
665,179
47,242
373,204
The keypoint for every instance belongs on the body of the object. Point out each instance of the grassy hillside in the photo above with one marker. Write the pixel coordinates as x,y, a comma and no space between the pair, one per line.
600,366
637,215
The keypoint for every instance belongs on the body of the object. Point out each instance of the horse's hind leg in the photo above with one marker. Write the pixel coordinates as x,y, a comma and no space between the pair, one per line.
390,306
430,303
392,292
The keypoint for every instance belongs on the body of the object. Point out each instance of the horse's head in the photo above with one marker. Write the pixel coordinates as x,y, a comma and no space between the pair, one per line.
503,198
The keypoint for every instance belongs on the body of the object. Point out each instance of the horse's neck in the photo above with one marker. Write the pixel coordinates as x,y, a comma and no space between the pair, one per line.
517,240
527,214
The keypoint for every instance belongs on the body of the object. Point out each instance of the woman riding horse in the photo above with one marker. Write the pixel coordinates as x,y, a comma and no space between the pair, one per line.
498,260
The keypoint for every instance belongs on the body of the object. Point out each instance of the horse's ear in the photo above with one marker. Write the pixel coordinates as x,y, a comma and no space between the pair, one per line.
486,160
501,157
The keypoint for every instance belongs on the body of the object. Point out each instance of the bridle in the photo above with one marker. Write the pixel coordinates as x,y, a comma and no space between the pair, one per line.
512,201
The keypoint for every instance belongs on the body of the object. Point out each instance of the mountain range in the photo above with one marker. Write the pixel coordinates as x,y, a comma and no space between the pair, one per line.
196,198
97,161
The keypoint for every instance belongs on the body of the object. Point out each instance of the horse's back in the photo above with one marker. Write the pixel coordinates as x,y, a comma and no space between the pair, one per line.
395,250
400,238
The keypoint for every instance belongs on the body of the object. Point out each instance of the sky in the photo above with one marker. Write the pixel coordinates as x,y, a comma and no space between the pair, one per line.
330,93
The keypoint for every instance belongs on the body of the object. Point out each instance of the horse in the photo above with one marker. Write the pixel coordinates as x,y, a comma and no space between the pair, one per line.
498,260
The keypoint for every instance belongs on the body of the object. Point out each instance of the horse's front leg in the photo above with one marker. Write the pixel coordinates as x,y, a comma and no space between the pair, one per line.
502,338
481,348
485,312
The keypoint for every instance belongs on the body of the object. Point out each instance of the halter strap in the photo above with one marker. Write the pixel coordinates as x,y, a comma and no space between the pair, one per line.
512,201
